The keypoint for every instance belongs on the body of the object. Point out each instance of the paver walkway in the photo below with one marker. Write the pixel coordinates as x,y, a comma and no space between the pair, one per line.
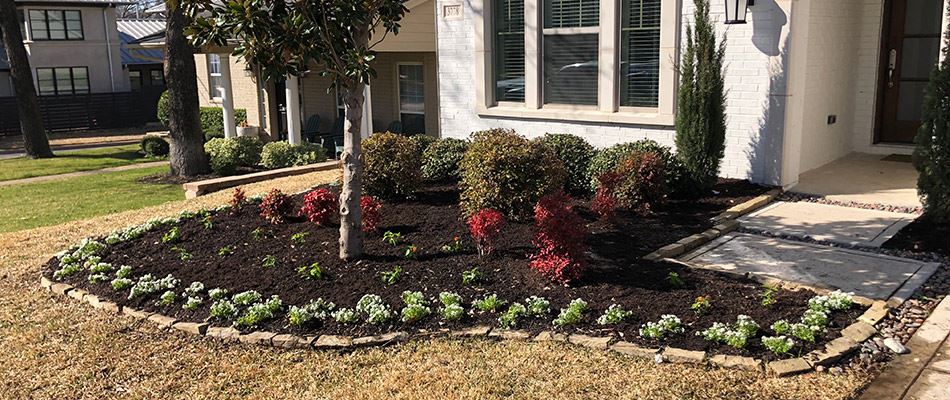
82,173
845,225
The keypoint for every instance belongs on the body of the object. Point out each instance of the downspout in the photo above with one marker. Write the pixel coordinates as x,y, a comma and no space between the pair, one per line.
105,30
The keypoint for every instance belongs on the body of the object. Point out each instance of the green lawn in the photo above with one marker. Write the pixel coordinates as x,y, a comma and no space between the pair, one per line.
71,161
54,202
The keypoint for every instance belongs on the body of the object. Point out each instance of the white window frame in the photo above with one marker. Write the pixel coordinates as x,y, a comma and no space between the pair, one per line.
214,92
399,88
608,107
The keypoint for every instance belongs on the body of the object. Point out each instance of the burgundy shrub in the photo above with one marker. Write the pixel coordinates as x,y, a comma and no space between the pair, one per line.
238,199
605,201
561,239
369,208
320,206
485,226
276,206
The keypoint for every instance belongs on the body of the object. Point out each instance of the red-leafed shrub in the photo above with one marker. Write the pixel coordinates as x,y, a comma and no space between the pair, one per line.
276,206
643,183
605,201
320,206
560,240
485,226
238,199
369,208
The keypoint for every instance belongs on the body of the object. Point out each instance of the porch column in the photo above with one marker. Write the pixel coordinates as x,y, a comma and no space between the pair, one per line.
366,126
227,98
293,109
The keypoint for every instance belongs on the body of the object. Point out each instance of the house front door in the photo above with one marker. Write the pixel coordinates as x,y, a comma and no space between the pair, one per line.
911,47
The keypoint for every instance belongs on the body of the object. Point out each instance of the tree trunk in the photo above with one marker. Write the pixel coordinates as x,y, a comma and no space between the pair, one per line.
351,233
187,155
35,141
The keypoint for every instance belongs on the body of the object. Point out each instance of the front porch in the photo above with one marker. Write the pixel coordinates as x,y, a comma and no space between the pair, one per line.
864,178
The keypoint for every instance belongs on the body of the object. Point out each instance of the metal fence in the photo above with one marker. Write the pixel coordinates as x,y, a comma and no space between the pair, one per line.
84,111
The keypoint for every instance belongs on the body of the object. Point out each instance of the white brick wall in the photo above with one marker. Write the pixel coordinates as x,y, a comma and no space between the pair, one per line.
753,94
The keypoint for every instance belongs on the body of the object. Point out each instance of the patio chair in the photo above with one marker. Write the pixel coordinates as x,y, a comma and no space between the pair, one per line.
311,130
333,141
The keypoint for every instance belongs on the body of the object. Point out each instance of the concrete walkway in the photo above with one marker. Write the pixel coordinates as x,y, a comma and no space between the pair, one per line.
863,178
46,178
845,225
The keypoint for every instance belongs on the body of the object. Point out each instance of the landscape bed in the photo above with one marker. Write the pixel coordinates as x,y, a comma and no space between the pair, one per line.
238,250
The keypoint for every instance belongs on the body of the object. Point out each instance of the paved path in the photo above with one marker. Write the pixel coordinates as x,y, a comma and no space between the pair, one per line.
6,154
82,173
845,225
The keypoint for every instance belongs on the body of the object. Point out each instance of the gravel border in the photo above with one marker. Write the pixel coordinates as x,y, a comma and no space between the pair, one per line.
801,197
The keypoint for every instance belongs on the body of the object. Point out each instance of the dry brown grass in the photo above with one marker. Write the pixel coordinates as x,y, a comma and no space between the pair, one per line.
56,348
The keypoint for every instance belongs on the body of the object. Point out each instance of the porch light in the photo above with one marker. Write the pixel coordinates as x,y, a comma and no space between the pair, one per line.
736,11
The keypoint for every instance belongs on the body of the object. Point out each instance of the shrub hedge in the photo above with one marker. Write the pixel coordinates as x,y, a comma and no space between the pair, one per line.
154,146
642,180
282,154
440,162
575,153
607,160
504,171
391,165
227,155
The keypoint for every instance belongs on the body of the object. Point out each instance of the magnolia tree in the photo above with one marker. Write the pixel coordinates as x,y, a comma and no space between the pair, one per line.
284,37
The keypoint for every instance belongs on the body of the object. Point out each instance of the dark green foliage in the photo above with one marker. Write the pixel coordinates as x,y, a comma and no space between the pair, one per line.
701,112
502,170
932,155
212,118
227,155
607,160
441,159
391,166
575,153
282,154
422,142
154,146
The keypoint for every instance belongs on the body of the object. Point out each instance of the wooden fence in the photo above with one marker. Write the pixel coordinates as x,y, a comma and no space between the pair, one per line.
84,111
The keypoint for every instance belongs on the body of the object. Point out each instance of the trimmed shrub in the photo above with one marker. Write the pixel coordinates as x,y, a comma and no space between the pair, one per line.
320,206
212,118
422,142
440,162
283,154
605,200
933,145
504,171
560,240
369,211
227,155
276,206
391,166
642,181
485,226
575,153
154,146
607,160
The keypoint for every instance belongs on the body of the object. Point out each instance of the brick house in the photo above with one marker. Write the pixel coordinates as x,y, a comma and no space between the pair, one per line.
809,81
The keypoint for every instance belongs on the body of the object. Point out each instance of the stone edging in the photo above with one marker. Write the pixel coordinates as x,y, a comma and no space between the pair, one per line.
199,188
851,339
725,222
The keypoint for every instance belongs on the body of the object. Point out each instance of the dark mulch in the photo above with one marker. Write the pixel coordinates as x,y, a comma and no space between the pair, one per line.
616,273
923,235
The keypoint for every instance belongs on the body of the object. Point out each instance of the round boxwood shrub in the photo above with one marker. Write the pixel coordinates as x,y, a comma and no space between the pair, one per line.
441,159
162,113
282,154
575,153
391,165
504,171
154,146
607,159
642,181
227,155
422,142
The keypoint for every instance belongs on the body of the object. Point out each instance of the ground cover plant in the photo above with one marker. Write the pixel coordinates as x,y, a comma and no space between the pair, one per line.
436,289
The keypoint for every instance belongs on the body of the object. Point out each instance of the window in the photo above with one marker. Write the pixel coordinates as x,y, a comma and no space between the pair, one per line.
214,76
56,25
412,105
509,47
58,81
135,80
157,77
570,51
640,53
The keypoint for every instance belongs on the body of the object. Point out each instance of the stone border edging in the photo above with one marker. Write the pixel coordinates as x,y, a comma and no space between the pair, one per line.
851,339
199,188
724,223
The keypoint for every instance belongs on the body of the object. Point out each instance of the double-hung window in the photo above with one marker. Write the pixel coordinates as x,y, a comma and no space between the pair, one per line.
56,25
640,53
570,50
215,84
509,50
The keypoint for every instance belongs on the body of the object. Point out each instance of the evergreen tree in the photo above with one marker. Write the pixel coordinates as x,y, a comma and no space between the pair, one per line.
932,154
701,113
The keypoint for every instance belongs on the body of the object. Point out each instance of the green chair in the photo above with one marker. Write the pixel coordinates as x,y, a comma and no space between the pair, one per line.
311,130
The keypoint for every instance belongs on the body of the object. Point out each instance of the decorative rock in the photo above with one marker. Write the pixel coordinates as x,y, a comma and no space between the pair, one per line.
305,342
137,314
92,299
671,250
286,341
162,320
874,314
77,294
858,332
593,342
46,283
833,351
691,242
476,331
550,336
681,356
257,337
333,342
788,367
631,349
509,334
381,340
895,346
61,288
228,334
108,306
726,361
726,226
194,328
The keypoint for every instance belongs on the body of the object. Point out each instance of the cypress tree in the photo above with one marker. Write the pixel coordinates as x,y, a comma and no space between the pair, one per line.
701,112
932,153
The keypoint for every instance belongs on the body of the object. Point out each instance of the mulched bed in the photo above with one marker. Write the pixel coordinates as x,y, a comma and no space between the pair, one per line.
922,235
616,274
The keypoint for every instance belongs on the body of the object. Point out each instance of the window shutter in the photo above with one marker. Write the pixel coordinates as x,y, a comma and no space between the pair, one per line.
640,53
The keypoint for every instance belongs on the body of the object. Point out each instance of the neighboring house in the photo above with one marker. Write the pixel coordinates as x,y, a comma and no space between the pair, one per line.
808,81
143,65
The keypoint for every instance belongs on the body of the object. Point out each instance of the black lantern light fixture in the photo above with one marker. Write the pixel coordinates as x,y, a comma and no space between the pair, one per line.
736,11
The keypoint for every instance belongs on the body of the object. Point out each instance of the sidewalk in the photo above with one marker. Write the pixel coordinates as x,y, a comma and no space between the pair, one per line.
81,173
